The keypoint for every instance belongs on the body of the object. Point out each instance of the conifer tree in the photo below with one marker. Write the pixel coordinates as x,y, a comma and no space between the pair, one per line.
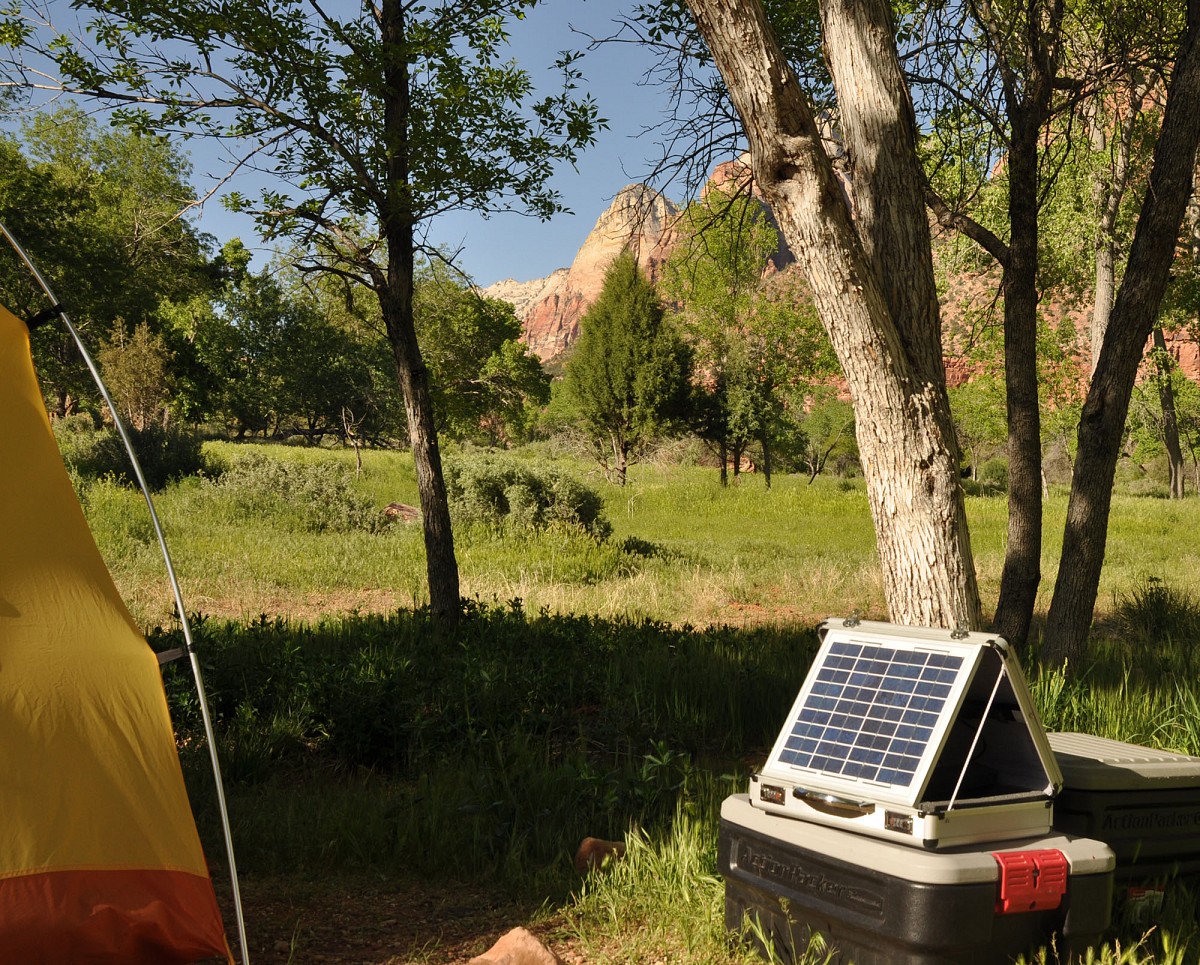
627,379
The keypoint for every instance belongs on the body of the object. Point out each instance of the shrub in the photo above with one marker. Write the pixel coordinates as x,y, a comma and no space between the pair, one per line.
494,490
164,454
1147,488
993,476
1154,612
313,497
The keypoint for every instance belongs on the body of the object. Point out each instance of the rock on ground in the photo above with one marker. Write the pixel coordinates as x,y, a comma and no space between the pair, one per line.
517,947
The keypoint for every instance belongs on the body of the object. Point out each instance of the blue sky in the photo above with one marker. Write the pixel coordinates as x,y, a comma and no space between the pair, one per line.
517,246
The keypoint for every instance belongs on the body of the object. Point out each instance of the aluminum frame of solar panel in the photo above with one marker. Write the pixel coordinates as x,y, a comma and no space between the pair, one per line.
873,715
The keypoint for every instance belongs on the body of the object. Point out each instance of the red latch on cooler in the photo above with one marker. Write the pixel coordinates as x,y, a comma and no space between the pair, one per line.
1030,880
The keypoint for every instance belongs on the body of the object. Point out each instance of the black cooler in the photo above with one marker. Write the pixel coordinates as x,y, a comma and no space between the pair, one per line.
880,903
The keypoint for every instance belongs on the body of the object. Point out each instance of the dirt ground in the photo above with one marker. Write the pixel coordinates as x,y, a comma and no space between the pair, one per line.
370,921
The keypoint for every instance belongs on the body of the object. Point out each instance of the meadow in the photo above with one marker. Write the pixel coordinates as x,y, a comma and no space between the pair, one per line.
683,549
617,685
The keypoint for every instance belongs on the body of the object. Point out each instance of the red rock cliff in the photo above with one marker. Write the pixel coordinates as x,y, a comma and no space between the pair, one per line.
640,219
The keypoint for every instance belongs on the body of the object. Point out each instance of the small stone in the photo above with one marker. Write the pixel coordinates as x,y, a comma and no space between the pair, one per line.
595,853
402,512
517,947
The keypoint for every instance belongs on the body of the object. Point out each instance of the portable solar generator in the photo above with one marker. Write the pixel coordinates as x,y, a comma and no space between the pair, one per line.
905,811
924,737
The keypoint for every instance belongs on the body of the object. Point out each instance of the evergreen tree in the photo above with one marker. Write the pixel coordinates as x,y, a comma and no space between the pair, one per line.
628,376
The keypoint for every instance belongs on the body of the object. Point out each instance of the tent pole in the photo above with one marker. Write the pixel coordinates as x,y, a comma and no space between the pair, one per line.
175,588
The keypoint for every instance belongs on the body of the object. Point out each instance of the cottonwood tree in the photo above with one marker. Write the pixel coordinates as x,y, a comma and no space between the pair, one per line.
1114,57
98,211
865,251
1047,77
876,115
370,118
1135,311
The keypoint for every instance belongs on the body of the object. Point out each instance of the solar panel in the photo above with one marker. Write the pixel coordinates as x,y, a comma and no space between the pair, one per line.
935,727
871,712
872,715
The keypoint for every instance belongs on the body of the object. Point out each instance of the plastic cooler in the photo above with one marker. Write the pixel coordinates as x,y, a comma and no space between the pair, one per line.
1144,803
876,902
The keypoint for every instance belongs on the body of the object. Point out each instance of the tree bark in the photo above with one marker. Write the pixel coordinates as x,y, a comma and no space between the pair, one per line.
620,449
1022,571
396,304
872,283
1134,313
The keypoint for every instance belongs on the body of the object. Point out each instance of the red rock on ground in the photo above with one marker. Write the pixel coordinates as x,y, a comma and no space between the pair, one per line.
517,947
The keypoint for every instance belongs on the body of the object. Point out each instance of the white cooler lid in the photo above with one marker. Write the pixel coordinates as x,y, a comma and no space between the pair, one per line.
1091,763
948,866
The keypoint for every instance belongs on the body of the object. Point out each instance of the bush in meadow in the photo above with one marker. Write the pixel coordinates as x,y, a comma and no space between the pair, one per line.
495,490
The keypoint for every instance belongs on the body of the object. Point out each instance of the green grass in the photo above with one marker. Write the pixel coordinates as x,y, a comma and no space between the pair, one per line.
356,736
701,554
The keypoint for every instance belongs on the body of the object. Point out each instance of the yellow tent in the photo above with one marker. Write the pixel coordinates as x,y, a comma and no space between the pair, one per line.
99,856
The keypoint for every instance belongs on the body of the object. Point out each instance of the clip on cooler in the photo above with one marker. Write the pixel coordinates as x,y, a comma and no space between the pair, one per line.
1144,803
879,902
924,737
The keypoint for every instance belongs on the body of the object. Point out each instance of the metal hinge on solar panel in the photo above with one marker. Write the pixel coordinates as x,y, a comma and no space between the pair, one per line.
1031,880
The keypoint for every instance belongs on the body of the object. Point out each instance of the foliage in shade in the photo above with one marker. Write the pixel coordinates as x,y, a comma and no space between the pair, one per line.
530,730
97,210
165,454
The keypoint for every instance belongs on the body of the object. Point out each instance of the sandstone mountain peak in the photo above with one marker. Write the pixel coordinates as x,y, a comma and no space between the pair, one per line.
640,219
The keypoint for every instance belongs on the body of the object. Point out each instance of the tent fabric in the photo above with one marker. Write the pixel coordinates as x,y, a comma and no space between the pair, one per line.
99,856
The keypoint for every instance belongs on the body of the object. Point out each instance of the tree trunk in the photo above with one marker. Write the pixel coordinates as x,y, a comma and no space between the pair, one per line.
1022,571
396,304
1134,312
873,287
1109,190
1170,421
1106,273
620,450
765,442
1025,53
723,455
